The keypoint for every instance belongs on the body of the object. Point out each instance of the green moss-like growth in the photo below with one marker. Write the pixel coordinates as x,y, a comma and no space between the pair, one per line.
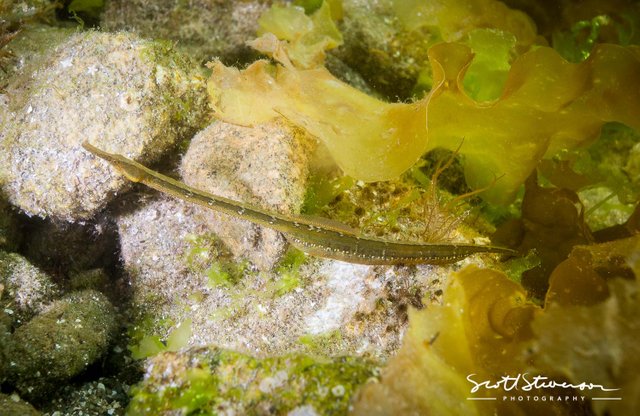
207,255
151,345
318,344
288,273
12,405
213,381
185,82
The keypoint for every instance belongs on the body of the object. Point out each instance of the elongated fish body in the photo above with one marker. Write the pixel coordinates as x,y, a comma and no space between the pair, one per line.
315,237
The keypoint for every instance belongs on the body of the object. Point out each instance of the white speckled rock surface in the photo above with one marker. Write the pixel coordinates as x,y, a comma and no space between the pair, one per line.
205,28
265,166
366,305
117,91
26,289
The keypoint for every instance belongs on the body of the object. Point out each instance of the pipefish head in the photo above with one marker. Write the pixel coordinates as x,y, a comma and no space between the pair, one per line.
133,171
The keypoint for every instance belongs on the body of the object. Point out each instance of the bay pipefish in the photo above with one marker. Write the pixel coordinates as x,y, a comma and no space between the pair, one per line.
309,235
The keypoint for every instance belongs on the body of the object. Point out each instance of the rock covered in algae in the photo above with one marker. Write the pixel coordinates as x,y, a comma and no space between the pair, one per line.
5,334
96,279
204,28
16,10
60,342
266,166
211,380
178,271
27,290
117,91
11,405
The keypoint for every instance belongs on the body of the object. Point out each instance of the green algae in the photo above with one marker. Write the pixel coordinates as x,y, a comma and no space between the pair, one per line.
206,254
316,345
484,76
453,20
494,51
151,345
322,190
211,381
394,136
288,273
308,37
185,85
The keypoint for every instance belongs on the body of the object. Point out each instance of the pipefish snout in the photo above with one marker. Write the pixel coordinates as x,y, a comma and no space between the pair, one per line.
315,237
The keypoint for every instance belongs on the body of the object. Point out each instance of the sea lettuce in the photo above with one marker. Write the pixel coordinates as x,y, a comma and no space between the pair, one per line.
454,19
493,51
547,105
304,39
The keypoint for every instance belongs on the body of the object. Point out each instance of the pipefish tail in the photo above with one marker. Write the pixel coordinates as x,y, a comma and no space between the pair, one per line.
312,236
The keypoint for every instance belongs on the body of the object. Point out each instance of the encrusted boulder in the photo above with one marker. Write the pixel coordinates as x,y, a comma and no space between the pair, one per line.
115,90
59,343
26,289
266,165
203,28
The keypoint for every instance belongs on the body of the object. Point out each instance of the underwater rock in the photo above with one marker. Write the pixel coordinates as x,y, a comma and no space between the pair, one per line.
210,380
265,165
60,343
203,29
119,92
22,56
10,235
27,290
12,405
154,245
72,247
